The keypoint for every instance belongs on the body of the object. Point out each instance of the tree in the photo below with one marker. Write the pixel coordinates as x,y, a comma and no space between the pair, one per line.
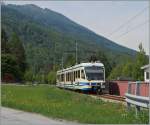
141,59
29,76
51,77
70,61
127,69
131,68
9,63
17,50
4,42
9,66
116,72
102,57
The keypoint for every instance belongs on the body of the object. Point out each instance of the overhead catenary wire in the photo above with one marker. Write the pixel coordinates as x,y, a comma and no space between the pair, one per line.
127,22
134,28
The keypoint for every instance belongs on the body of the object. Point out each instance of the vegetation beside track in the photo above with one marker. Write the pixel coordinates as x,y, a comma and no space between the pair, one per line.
62,104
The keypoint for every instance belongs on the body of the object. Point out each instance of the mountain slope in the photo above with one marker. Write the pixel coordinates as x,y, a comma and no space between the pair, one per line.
47,34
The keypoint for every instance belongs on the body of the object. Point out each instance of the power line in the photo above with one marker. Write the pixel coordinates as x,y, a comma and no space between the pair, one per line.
137,26
132,18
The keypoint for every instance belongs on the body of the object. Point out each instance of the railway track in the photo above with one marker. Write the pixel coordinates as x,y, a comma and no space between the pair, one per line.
113,97
107,97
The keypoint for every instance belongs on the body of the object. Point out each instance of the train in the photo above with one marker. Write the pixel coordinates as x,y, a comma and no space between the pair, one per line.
85,77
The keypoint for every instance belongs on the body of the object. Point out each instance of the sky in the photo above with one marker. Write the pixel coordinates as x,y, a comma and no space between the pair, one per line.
124,22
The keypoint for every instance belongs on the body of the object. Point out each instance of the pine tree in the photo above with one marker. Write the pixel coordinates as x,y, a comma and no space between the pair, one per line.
70,61
141,59
9,67
102,57
17,50
4,42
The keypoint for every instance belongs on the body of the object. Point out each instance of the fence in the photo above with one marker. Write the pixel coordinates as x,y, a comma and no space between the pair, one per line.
135,97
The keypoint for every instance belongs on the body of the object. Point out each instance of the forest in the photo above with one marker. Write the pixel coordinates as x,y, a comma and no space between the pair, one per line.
33,46
16,69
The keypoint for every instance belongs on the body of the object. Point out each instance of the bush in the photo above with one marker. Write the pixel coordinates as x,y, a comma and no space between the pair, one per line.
9,66
28,76
51,77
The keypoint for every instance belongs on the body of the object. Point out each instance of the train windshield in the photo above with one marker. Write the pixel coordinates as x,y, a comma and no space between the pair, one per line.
94,73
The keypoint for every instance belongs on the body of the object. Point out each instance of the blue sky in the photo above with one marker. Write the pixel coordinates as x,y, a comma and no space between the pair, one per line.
104,17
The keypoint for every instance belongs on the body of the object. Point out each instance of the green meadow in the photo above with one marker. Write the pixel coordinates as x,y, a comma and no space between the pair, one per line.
63,104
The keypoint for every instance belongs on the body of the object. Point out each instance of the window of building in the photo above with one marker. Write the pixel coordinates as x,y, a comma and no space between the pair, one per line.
147,75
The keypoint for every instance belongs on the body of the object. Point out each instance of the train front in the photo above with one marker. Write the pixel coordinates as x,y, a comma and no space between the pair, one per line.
95,75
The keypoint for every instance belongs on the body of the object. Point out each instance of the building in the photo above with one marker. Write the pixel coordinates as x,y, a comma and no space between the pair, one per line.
146,69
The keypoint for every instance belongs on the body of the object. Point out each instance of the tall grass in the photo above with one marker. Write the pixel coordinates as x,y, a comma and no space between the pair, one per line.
62,104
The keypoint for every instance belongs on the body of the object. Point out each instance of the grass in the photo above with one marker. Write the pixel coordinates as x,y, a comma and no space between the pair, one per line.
62,104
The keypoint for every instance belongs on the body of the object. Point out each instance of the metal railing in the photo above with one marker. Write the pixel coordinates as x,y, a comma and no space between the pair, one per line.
133,96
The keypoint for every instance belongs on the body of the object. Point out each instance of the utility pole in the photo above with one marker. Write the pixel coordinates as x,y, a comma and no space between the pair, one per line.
62,64
67,52
54,58
76,52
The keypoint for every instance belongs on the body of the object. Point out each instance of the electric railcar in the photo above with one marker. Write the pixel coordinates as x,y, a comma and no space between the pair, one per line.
82,77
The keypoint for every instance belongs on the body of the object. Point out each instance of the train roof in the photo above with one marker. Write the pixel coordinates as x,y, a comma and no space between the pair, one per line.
82,65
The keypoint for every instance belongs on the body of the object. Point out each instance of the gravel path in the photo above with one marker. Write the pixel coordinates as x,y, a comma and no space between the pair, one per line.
16,117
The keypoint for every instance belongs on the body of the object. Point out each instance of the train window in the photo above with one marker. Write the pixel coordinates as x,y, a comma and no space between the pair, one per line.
82,74
66,76
71,76
74,75
62,78
78,73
